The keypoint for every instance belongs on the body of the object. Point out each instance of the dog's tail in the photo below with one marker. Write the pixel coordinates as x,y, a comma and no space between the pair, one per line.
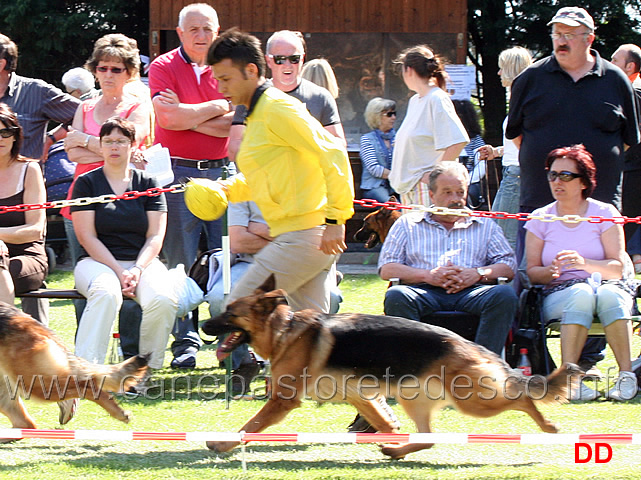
112,378
555,388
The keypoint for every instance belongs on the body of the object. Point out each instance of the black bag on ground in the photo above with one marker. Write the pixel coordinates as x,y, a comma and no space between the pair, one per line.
530,334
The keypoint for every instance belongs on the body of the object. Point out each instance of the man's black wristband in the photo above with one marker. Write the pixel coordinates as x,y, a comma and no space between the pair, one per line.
330,221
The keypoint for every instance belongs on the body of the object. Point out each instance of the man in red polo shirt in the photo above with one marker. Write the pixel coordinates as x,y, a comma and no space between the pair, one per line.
193,121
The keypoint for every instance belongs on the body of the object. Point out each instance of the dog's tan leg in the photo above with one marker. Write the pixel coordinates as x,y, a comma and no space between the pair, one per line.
272,412
13,407
374,414
420,410
526,405
107,401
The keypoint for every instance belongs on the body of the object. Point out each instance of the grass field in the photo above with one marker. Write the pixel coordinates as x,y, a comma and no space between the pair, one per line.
177,411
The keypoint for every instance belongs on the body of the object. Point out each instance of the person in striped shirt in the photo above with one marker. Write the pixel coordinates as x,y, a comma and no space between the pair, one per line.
450,262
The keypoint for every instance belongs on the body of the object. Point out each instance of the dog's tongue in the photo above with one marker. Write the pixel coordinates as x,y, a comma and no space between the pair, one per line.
227,346
220,354
372,240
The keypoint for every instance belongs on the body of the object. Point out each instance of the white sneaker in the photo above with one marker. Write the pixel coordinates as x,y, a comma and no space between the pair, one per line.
625,387
584,394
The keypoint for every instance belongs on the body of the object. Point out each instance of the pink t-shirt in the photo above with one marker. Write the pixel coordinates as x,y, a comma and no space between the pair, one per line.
585,238
91,127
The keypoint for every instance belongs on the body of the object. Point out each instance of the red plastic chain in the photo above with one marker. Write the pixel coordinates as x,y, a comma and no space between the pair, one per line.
523,217
151,192
365,202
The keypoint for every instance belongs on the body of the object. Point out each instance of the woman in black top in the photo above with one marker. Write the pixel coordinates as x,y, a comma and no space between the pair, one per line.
121,240
23,261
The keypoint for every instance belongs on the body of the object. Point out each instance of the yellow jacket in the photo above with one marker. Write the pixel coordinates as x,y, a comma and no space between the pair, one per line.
293,169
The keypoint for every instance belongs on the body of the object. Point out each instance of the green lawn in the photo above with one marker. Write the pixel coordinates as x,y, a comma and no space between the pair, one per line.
180,412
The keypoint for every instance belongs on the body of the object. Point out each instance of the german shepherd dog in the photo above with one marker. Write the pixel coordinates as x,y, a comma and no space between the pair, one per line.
376,225
34,363
356,357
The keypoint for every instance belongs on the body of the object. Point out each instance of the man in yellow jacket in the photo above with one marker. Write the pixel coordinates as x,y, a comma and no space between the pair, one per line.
295,171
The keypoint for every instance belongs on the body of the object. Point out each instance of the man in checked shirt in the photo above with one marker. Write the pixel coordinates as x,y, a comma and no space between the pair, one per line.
450,262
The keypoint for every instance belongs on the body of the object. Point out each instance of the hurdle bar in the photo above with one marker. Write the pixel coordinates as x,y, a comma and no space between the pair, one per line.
355,438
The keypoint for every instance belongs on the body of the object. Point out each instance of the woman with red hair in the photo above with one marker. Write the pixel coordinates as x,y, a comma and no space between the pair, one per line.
582,265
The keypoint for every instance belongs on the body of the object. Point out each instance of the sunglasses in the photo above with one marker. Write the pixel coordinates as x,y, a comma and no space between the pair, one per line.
280,59
389,114
8,132
114,70
564,176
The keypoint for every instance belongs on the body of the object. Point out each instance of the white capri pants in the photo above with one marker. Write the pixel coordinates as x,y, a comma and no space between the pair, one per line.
100,285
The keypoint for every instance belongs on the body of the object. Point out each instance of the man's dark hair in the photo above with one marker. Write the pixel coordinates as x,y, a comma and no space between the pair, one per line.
240,47
8,51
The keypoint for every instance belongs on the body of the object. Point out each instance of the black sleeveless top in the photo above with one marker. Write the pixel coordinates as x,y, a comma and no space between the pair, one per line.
13,219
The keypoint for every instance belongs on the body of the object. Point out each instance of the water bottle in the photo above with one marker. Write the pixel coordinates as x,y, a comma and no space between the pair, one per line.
115,353
524,363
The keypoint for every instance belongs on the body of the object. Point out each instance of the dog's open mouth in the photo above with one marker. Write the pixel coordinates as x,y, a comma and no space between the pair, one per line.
372,241
233,340
369,237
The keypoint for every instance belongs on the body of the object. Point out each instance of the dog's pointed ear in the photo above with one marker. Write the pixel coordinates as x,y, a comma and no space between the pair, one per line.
268,285
268,302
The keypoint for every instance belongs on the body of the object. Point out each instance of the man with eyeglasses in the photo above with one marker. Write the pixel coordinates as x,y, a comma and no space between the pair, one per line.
571,97
192,120
285,56
34,101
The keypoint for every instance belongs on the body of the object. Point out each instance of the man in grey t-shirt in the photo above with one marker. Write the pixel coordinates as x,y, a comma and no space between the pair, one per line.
285,54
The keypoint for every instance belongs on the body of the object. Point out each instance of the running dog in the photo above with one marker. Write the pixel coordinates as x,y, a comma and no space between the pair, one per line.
35,364
376,225
356,357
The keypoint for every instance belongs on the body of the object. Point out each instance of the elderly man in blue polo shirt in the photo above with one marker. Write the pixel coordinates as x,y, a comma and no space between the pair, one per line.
448,262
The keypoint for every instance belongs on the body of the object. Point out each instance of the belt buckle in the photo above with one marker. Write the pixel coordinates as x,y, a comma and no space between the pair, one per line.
200,163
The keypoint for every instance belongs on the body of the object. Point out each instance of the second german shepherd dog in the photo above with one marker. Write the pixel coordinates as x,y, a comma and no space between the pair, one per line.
356,357
35,364
376,225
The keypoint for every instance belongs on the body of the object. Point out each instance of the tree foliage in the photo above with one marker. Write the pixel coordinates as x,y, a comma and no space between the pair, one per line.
55,35
495,25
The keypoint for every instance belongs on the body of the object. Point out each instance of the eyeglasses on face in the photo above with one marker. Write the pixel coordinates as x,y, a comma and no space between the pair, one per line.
280,59
8,132
563,175
114,70
121,142
567,36
389,114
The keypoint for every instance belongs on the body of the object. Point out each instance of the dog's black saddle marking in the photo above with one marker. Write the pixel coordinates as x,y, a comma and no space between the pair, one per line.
380,345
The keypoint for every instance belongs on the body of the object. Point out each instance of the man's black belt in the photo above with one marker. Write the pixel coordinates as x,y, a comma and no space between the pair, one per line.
199,164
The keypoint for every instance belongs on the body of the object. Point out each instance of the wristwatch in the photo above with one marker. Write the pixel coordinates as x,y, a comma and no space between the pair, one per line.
483,272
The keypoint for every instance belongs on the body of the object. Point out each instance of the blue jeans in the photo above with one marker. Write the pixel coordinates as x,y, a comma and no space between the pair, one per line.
634,243
181,245
495,305
380,194
74,245
507,200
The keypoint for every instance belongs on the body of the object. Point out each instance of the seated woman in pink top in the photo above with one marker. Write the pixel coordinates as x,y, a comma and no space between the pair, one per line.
563,256
115,59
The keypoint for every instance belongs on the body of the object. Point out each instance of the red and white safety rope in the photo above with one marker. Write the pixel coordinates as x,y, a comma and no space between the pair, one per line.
444,438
